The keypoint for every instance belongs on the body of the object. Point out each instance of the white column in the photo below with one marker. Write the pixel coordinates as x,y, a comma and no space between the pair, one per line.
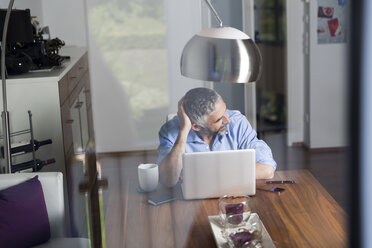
295,70
250,88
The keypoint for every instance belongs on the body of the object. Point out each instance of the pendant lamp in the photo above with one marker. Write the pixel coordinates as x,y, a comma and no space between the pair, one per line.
221,54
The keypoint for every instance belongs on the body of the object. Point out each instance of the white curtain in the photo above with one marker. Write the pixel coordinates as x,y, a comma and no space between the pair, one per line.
135,49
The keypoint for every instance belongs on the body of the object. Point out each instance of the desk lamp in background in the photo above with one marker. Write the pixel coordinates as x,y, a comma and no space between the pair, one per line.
221,54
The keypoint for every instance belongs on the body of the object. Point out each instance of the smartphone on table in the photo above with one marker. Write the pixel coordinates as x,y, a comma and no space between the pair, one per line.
158,199
164,195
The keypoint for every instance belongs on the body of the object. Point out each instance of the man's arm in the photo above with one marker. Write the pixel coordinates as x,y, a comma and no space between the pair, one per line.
264,171
171,166
265,164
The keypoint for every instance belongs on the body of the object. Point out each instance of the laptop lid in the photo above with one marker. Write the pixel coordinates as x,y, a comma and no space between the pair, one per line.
218,173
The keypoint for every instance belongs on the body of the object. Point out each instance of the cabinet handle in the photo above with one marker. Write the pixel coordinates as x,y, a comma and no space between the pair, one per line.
86,91
72,77
81,67
69,121
79,104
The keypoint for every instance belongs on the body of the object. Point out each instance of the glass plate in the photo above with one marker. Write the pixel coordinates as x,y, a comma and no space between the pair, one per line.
215,222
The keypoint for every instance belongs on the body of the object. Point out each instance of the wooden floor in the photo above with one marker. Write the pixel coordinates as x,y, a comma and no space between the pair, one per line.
328,166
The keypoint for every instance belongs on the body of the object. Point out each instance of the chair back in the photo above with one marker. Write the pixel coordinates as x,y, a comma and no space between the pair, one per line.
52,184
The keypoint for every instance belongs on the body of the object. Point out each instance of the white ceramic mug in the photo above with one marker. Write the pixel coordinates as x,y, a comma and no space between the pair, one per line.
148,176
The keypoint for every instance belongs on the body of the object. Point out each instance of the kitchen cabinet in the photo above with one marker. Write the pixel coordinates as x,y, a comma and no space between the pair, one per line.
76,137
60,102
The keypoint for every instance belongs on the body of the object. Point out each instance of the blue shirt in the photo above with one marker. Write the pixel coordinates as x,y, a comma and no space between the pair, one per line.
239,135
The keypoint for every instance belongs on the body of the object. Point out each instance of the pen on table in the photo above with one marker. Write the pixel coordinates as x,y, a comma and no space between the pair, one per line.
280,181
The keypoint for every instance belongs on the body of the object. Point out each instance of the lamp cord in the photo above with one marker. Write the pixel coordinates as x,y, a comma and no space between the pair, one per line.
214,12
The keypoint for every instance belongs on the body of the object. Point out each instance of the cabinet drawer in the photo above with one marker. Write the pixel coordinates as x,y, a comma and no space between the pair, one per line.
75,93
63,90
73,79
88,95
90,125
83,65
76,72
66,127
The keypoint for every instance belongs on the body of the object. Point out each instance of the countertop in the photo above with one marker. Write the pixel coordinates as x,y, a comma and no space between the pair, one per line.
56,73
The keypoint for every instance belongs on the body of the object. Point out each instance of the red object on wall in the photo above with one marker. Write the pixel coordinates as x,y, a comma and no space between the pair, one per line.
334,27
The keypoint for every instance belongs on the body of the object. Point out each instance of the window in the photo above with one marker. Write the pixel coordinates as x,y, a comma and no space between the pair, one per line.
131,37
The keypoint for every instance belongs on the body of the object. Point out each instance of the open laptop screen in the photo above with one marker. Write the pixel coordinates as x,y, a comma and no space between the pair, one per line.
217,173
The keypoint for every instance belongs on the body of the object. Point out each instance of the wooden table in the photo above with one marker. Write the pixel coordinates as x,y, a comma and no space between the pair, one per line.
305,215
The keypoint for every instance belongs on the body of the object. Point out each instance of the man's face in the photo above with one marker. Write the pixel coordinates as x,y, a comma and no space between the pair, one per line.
216,122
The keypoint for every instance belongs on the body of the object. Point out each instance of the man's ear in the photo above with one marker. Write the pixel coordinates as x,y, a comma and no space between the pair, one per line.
195,127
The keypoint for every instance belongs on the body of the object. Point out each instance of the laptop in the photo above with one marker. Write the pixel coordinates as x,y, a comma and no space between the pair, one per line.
218,173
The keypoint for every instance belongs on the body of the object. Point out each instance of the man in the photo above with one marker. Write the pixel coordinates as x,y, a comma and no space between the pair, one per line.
204,124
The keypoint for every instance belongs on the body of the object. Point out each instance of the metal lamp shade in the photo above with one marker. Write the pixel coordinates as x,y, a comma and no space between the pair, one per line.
221,54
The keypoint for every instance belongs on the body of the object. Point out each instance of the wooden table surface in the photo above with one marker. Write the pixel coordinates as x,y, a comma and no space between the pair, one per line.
304,215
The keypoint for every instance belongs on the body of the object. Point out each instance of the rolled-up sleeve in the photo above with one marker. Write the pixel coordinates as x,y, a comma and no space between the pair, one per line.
167,137
247,139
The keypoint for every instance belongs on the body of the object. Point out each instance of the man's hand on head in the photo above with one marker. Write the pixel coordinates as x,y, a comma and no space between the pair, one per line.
171,166
185,123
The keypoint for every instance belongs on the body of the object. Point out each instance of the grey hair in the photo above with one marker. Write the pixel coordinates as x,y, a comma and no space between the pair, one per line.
198,103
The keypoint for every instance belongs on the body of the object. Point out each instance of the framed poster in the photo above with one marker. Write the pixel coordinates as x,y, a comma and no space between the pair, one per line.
332,21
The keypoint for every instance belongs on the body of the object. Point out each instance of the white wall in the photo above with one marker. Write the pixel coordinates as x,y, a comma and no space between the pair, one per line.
323,100
183,21
295,72
35,7
66,20
249,89
327,89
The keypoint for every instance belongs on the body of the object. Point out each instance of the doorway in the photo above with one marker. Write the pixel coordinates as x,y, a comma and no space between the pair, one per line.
271,88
